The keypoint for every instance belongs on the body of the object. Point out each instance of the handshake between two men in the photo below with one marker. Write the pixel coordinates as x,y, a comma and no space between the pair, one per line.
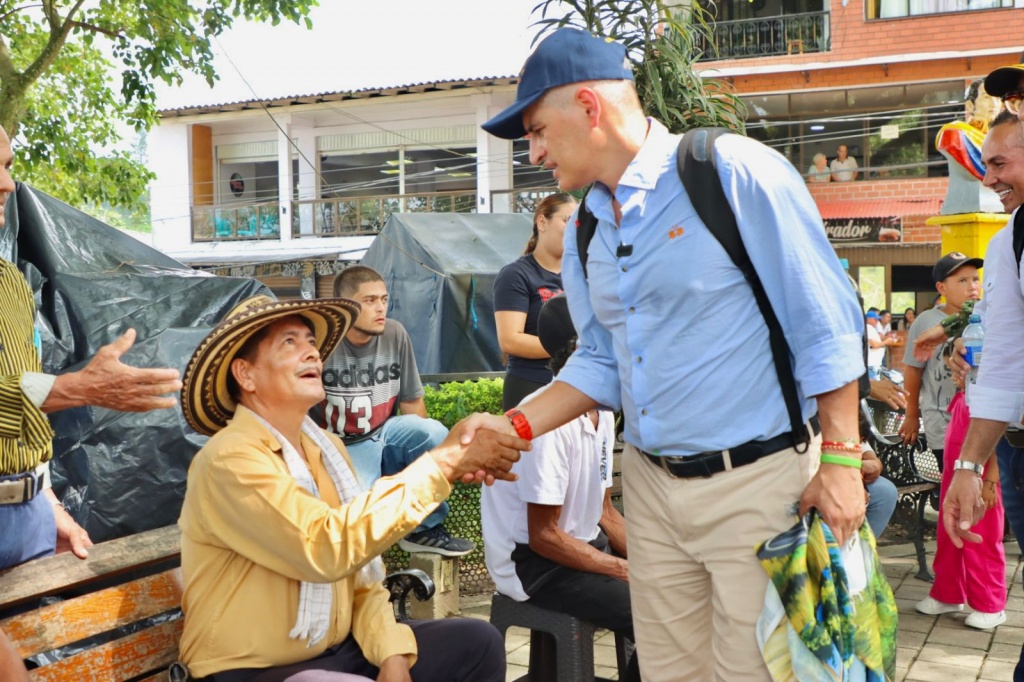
480,449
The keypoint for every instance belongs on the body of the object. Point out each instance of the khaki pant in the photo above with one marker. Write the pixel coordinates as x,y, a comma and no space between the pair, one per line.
696,585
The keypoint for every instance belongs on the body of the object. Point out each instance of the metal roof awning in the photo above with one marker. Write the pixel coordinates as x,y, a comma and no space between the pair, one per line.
878,208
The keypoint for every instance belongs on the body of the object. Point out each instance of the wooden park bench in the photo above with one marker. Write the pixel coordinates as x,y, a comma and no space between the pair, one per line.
121,608
913,468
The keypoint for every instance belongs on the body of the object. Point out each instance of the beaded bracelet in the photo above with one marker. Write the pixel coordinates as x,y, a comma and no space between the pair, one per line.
853,462
848,445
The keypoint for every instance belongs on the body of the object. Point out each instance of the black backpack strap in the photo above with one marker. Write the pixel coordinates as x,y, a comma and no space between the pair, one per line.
1018,237
586,226
699,173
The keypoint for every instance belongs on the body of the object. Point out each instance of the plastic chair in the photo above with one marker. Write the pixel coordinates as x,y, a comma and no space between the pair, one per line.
574,641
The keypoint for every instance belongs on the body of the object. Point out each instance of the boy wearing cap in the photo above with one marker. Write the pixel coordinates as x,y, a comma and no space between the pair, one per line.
280,543
553,538
715,454
929,384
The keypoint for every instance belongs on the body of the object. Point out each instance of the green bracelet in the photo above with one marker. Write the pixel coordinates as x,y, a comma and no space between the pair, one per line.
829,458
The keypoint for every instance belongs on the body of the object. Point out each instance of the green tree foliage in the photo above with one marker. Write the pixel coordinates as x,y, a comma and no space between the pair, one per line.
663,39
56,97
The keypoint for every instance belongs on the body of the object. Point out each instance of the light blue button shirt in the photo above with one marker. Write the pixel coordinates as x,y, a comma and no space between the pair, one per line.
672,333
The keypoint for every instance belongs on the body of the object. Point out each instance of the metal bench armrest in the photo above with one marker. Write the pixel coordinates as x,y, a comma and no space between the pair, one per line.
401,583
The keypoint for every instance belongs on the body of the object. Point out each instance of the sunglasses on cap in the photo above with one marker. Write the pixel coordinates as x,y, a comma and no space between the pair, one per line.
1012,101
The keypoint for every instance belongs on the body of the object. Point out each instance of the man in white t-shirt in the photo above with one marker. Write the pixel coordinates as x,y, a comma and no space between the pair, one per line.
884,322
553,538
877,343
844,167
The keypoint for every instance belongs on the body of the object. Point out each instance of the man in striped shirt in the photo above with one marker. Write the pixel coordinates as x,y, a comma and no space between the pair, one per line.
32,521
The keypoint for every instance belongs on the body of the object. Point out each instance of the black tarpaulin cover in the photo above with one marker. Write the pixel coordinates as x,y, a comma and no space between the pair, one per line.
118,473
439,269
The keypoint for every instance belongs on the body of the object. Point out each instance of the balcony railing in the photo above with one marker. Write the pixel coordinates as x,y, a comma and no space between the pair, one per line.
519,200
367,215
234,222
787,34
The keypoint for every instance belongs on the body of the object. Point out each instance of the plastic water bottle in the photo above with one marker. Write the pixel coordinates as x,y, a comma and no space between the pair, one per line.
974,336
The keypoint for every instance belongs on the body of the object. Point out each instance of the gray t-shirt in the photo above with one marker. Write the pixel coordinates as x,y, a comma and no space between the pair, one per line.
365,384
937,387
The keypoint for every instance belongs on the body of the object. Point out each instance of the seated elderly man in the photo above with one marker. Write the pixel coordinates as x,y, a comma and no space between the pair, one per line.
280,546
553,538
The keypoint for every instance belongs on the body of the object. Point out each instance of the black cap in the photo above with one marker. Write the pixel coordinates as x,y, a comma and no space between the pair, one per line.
554,326
1004,80
952,262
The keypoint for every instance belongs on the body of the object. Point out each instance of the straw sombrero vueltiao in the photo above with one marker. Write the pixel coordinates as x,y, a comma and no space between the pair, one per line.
205,400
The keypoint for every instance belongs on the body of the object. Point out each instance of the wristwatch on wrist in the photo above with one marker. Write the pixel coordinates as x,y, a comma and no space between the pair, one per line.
520,424
969,466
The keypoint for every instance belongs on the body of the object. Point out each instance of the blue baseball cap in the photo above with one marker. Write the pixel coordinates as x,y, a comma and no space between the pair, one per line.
568,55
872,315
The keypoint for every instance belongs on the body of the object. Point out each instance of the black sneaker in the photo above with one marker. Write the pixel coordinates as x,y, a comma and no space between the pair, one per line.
437,540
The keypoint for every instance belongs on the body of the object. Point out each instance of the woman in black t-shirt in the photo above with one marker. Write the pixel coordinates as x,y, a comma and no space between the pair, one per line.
520,289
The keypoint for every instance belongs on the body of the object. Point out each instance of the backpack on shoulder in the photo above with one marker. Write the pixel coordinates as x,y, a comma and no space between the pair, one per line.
698,172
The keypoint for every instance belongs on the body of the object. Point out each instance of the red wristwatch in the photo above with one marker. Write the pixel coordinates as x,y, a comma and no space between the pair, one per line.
520,424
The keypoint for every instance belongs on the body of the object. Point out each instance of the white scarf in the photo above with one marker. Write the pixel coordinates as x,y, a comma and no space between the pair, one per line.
315,599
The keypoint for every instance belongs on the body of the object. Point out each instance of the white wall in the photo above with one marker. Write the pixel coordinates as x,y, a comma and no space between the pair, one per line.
170,192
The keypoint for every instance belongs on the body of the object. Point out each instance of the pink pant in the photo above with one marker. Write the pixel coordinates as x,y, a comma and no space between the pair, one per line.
977,573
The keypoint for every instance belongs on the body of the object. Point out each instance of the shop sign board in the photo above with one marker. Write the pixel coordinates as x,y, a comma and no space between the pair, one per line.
864,230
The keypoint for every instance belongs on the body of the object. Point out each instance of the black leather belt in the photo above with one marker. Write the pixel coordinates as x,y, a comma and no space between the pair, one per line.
20,488
707,464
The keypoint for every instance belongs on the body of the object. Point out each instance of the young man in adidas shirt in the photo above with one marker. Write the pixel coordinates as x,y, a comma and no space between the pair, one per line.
375,402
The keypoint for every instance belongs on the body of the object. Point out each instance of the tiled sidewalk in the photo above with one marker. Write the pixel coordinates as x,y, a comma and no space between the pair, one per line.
934,648
930,648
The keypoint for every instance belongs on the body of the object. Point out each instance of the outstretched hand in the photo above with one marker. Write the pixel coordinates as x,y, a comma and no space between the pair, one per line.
107,382
473,453
926,343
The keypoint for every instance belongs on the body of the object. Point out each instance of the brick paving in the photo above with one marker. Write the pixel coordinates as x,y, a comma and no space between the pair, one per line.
929,648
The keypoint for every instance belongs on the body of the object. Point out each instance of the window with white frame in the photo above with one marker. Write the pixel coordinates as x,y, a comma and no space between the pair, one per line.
892,9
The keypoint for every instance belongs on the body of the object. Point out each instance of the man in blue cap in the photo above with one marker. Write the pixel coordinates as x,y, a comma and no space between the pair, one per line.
877,342
671,333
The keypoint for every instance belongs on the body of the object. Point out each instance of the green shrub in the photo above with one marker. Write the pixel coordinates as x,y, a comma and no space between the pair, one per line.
450,402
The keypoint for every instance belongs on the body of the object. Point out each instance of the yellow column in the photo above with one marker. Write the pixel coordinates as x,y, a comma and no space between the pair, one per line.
968,233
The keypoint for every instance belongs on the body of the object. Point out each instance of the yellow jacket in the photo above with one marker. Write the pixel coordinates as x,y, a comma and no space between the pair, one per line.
250,535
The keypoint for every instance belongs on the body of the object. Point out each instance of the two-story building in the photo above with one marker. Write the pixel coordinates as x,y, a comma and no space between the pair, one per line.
284,189
880,77
287,190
